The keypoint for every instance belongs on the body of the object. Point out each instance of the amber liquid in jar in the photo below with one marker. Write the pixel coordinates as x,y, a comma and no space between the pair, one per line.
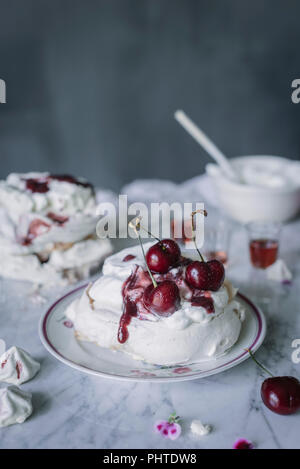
263,252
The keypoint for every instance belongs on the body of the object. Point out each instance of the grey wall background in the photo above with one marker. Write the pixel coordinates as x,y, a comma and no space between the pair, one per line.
92,84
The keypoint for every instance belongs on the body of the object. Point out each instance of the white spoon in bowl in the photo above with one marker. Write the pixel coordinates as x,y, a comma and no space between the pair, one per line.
206,143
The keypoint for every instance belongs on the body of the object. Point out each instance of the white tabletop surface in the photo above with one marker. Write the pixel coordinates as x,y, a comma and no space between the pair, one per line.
74,410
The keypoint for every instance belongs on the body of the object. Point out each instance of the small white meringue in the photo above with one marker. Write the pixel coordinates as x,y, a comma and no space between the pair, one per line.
17,366
15,406
279,272
198,429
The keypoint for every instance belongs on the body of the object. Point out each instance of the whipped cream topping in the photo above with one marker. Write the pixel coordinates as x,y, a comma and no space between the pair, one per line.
275,173
17,366
264,171
15,406
192,331
106,292
47,215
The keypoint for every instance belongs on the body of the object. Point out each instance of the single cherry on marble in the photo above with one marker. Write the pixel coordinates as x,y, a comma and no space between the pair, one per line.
281,394
163,255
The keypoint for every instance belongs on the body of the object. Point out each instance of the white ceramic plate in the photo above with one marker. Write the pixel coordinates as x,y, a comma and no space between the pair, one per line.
57,335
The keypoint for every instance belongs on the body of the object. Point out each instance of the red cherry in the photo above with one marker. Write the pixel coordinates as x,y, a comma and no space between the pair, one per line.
162,300
198,275
217,274
158,260
281,394
205,275
162,255
172,249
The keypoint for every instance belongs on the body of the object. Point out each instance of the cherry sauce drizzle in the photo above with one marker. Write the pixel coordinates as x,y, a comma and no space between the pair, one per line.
135,285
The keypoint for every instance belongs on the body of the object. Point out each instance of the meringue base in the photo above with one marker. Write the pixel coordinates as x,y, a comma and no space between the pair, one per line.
154,343
64,266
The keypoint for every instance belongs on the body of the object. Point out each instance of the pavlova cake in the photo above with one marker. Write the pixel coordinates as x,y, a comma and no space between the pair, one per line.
47,228
161,307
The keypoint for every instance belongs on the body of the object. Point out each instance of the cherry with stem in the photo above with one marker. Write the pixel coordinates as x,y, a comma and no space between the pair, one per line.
259,364
204,213
281,394
137,228
201,274
162,255
160,298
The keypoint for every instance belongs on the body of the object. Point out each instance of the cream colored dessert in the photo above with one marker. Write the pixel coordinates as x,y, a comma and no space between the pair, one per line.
192,333
15,406
47,228
17,366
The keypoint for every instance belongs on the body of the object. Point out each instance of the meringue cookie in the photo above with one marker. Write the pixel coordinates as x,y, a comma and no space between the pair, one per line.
279,272
15,406
17,366
198,429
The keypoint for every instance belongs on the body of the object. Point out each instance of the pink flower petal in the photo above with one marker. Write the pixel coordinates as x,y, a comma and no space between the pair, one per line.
174,431
160,426
241,443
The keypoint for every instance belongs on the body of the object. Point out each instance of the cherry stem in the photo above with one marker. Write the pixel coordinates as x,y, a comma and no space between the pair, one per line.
257,362
136,228
149,233
204,212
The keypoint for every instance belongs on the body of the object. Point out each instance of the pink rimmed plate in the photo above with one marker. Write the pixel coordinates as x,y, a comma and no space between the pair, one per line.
57,335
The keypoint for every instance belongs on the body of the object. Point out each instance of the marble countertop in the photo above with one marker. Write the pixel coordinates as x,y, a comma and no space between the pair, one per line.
74,410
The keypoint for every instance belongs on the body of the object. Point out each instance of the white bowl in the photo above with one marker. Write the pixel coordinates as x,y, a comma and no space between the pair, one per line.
245,202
